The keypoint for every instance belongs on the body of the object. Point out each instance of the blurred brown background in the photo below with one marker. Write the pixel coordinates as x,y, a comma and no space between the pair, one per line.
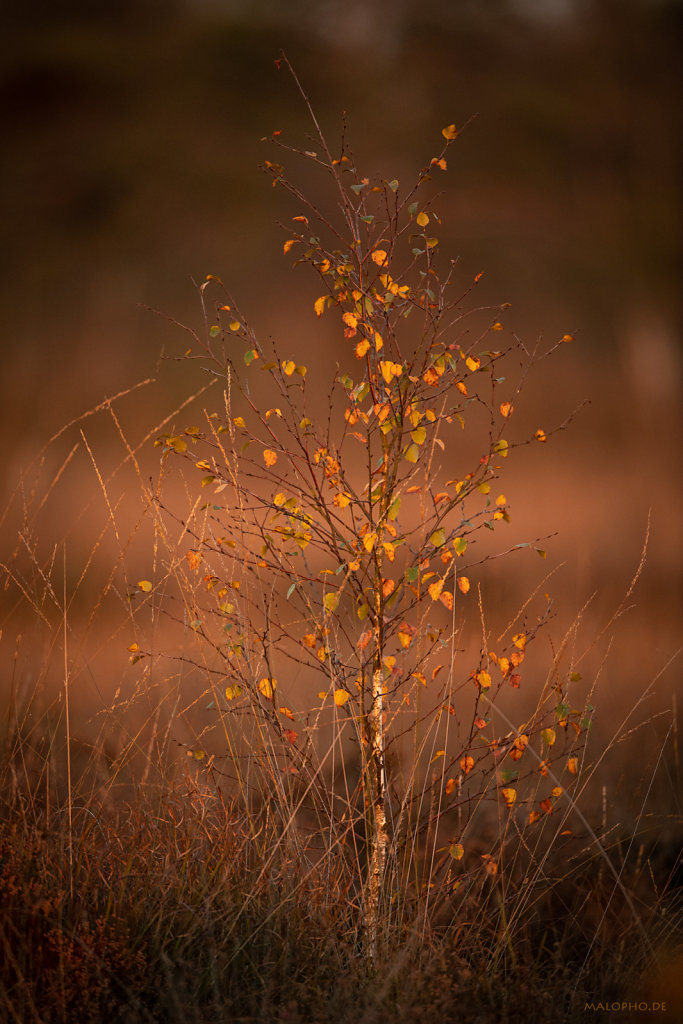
131,138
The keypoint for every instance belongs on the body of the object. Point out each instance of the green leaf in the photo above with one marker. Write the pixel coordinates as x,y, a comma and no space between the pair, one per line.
412,573
249,356
214,331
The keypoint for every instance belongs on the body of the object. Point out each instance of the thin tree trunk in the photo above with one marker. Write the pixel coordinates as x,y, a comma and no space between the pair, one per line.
376,811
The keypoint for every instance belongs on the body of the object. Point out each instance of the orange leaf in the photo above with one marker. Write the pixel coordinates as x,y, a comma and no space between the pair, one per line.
193,559
467,764
450,786
379,257
269,457
463,584
447,600
506,409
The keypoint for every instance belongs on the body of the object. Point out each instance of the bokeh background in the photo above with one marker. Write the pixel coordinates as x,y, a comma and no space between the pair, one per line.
132,144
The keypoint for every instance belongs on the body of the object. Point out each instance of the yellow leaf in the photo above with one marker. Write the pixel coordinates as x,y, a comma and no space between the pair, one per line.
288,367
420,677
472,363
484,488
548,736
350,320
331,602
405,639
412,454
422,219
435,590
234,325
484,679
540,435
322,694
389,550
462,388
362,347
269,457
418,435
379,257
319,305
390,370
267,687
447,600
341,500
450,133
501,500
239,422
133,648
497,326
437,755
519,640
510,796
232,692
341,697
460,545
438,538
463,584
145,586
279,499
